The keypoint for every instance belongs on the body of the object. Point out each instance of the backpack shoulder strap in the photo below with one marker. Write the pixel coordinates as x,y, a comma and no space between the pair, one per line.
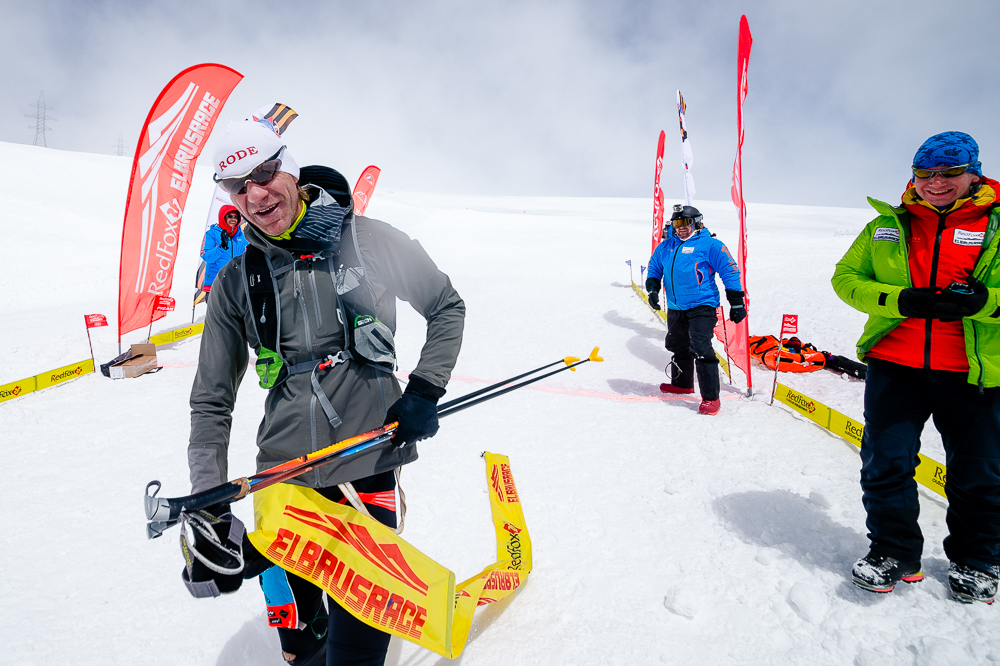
261,287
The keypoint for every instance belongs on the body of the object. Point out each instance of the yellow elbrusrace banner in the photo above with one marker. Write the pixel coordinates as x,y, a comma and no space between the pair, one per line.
381,579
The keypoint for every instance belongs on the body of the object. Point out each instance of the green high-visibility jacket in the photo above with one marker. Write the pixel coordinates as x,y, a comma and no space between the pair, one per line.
874,271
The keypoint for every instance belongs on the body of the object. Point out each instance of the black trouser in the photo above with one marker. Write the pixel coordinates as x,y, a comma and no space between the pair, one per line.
349,641
898,402
689,339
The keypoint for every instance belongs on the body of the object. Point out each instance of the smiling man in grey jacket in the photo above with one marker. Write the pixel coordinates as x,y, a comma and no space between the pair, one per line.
317,283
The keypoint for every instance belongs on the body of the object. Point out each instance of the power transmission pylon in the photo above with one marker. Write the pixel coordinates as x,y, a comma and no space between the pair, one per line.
119,146
41,117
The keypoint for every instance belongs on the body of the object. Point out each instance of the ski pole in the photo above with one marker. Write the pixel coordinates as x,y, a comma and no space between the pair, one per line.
162,512
464,402
451,403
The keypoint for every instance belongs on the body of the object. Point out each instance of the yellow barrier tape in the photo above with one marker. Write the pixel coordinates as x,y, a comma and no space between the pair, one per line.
930,473
45,380
176,334
17,389
803,404
846,427
63,374
188,331
162,338
381,579
723,363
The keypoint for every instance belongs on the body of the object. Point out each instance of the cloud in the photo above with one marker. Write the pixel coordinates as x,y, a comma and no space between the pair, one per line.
517,97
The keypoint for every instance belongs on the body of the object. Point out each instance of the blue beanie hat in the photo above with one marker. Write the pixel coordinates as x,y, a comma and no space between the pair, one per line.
949,149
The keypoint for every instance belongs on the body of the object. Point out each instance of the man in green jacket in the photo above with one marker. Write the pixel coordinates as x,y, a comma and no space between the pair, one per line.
927,274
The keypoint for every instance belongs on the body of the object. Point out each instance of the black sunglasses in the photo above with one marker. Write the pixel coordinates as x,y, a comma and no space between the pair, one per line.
262,174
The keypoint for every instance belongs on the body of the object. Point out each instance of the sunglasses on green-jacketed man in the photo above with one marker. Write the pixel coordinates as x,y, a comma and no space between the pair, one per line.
950,172
262,174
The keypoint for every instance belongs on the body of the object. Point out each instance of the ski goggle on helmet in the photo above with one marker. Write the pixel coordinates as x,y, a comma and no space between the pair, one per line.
684,216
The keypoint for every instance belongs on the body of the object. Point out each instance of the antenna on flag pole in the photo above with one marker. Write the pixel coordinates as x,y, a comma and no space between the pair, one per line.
687,156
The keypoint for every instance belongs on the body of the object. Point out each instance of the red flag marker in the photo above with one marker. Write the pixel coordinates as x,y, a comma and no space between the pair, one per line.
93,321
789,326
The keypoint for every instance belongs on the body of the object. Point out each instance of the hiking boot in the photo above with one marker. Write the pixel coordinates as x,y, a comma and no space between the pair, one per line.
968,584
709,407
670,388
879,573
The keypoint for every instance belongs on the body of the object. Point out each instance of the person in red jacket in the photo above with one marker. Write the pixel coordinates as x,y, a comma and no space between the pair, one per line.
919,368
222,243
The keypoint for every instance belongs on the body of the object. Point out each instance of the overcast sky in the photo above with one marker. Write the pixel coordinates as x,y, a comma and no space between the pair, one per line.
534,97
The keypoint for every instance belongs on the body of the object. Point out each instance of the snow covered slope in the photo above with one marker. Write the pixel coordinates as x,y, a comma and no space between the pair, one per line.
659,535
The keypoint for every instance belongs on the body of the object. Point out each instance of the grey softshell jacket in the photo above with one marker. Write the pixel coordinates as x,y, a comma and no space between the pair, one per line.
293,424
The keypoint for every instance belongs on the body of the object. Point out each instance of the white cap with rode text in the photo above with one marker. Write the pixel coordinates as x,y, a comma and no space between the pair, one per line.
246,144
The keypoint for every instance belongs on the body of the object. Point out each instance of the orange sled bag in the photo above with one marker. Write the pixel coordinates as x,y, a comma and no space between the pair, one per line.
794,356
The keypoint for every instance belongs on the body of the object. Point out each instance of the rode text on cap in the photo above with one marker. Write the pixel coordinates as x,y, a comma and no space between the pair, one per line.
238,155
245,145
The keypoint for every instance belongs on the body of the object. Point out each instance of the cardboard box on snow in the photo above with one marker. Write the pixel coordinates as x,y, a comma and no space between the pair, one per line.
142,359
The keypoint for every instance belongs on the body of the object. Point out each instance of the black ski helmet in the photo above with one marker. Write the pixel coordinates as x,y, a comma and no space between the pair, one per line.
687,213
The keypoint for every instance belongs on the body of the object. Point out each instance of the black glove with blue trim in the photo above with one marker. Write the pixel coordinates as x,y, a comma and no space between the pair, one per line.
653,293
416,412
963,299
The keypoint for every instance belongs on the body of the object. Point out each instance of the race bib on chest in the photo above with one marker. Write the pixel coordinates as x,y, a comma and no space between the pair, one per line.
971,238
687,250
886,234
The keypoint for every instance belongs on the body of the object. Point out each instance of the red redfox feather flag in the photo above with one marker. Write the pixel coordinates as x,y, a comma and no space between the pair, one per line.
175,132
736,336
364,188
658,195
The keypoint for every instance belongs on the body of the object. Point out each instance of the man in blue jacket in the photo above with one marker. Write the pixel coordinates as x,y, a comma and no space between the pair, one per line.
687,261
223,242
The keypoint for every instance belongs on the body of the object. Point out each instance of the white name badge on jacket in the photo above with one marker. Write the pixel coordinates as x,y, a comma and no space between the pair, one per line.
972,238
886,234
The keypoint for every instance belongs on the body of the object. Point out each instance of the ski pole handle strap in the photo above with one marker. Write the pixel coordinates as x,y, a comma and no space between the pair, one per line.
162,509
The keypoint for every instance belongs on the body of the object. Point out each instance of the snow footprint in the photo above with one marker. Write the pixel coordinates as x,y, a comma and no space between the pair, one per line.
808,602
682,601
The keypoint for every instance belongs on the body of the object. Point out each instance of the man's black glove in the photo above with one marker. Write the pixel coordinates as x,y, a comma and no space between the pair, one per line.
919,302
737,310
224,240
213,559
962,299
416,412
653,292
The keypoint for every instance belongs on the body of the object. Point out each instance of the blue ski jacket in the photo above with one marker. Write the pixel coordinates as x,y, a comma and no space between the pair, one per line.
687,269
215,255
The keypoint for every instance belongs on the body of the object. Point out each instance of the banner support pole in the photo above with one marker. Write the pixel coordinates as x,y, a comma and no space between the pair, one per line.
91,345
777,362
725,343
152,313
